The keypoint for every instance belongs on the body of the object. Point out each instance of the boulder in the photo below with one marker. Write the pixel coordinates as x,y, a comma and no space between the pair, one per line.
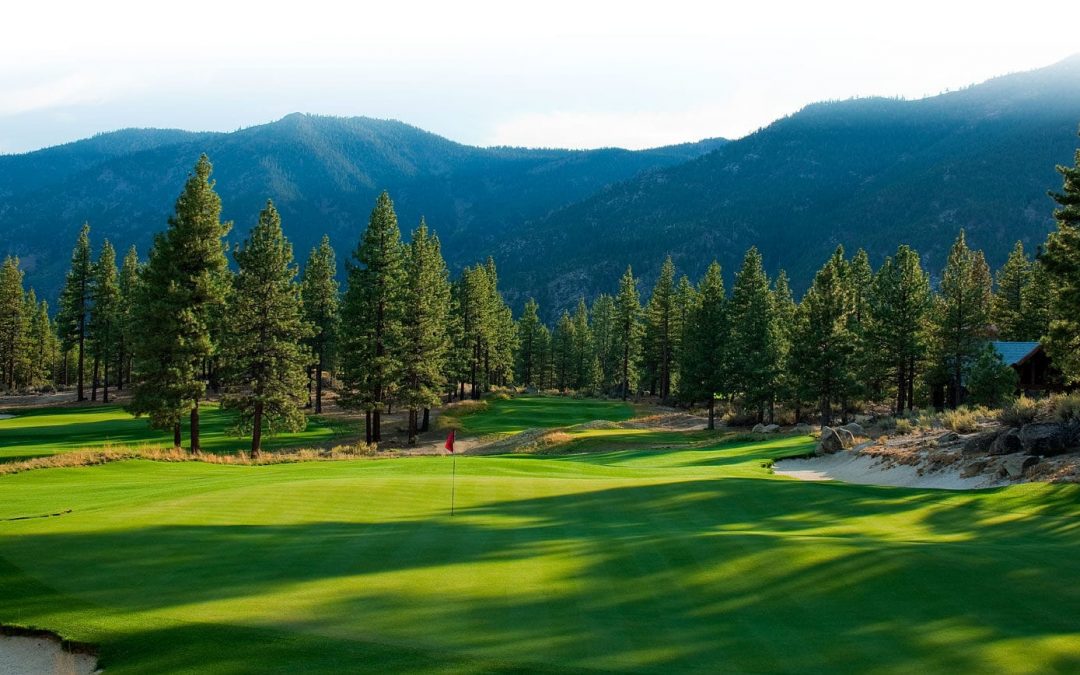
759,428
973,469
854,428
1007,443
979,444
834,440
1015,466
948,438
770,429
802,428
1046,438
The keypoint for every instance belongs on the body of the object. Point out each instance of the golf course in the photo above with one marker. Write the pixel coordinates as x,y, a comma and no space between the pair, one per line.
626,550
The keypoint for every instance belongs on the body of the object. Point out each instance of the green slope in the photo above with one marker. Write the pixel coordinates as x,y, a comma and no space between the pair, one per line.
687,559
49,431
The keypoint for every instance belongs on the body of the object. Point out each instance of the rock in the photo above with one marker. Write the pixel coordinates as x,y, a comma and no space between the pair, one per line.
1015,466
1045,438
834,440
948,438
770,429
802,428
979,444
854,428
973,469
862,446
1007,443
759,428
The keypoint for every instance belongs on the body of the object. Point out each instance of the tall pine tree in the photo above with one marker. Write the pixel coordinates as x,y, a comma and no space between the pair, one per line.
104,318
371,318
704,368
319,289
75,301
1009,312
184,288
754,341
425,341
962,315
265,354
1062,261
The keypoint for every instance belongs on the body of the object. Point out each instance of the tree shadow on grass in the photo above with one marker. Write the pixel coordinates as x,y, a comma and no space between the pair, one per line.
735,574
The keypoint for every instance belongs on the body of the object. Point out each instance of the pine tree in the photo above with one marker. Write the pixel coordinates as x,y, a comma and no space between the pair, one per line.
860,278
371,318
900,300
1062,261
824,342
686,302
129,281
785,320
705,358
426,343
962,314
661,318
75,306
528,366
264,340
628,333
754,341
1037,299
43,342
562,349
602,325
104,318
12,322
544,359
184,289
1009,313
319,289
583,347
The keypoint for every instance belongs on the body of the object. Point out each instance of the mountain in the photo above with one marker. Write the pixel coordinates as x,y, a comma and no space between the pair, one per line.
871,173
322,172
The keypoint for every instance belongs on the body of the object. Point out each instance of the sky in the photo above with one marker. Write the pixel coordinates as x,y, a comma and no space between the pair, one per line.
557,73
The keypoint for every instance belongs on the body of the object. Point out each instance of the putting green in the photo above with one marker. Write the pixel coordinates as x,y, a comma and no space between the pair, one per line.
49,431
692,559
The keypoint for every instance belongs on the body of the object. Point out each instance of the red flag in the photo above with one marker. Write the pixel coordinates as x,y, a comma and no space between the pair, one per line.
450,442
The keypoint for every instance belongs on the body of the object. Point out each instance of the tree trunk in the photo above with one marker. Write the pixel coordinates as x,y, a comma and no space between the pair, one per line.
94,382
176,440
318,386
367,426
82,357
309,383
911,383
194,432
376,425
826,414
412,426
256,430
426,424
901,388
712,413
105,384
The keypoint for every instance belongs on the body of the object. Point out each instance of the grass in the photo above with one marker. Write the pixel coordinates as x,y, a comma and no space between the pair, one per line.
514,415
621,558
49,431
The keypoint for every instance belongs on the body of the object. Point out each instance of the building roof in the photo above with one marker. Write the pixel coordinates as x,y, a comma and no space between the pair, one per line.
1013,353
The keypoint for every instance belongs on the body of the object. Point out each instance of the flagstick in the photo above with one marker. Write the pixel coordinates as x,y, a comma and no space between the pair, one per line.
453,484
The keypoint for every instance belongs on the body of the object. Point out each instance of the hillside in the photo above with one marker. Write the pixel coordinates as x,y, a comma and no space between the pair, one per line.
323,172
870,173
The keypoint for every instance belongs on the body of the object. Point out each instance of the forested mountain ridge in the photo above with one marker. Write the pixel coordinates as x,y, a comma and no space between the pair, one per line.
871,173
322,172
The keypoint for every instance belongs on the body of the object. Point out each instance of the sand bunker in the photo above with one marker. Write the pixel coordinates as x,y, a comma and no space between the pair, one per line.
851,467
42,655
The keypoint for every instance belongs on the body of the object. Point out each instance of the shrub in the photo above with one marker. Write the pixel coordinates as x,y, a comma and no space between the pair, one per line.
961,420
500,396
904,426
1065,408
1022,411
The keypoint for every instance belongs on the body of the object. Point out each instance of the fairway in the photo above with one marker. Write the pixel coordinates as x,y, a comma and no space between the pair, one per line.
658,561
49,431
514,415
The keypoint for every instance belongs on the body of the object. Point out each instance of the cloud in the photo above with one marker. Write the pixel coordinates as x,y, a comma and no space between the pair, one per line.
79,88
